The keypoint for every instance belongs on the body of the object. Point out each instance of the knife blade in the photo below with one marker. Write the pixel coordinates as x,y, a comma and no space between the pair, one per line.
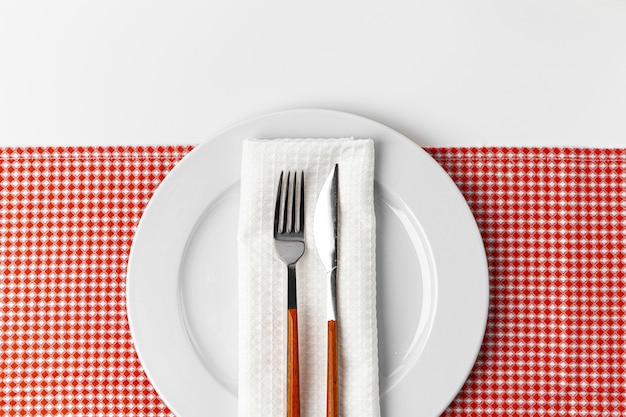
325,224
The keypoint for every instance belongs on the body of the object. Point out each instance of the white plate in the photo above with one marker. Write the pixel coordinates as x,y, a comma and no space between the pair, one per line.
432,272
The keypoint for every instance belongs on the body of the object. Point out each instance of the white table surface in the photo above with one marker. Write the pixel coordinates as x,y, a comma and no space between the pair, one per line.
443,72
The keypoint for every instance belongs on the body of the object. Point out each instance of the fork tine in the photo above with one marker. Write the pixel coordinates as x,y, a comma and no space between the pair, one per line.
294,197
286,222
301,220
277,227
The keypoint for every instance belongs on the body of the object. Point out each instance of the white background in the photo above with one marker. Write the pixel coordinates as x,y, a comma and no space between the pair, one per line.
444,72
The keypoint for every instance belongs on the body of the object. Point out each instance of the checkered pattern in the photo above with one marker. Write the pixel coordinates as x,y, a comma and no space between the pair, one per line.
554,226
67,218
553,222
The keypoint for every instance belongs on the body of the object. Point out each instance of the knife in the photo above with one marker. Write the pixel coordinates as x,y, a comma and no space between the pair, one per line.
325,231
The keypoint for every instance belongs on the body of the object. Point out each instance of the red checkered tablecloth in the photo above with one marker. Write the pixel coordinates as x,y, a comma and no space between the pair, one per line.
553,222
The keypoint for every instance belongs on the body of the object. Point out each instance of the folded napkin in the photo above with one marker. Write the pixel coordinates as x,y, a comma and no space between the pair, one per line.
263,281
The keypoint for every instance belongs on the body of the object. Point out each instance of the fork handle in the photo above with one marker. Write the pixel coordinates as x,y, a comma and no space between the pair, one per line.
293,368
332,396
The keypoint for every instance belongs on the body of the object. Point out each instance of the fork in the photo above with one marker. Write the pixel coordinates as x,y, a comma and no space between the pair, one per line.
289,245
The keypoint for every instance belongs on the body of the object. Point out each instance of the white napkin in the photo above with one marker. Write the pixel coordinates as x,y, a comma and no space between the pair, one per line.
263,281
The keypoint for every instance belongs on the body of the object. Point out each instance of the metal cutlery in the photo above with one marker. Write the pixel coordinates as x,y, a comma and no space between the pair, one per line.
325,230
289,245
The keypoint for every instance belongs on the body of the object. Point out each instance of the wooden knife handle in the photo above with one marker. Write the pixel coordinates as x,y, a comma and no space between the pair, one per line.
293,368
332,395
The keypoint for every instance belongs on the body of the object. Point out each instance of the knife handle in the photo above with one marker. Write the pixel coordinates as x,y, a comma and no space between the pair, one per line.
293,368
332,395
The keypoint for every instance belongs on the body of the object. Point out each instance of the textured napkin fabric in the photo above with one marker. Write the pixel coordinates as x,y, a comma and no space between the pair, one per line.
263,281
553,222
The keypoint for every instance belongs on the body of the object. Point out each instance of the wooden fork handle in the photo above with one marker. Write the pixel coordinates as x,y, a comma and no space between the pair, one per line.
293,368
332,395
